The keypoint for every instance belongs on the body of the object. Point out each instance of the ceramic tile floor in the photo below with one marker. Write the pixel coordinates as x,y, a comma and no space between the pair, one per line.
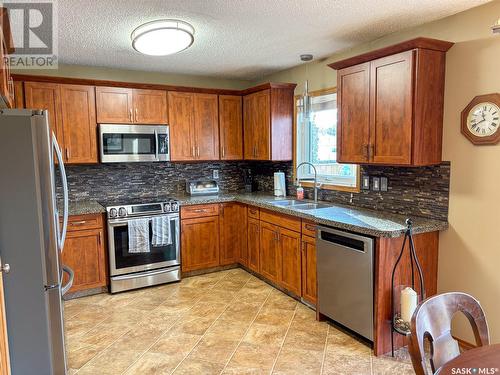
227,322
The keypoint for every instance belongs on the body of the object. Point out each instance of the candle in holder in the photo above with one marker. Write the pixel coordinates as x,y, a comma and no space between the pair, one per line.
408,303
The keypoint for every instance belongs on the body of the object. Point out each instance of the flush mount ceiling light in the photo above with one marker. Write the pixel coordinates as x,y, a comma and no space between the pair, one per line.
162,37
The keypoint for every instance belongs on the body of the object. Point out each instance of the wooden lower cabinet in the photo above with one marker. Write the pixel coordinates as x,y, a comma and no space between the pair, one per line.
200,243
290,262
233,239
253,244
84,252
309,281
269,251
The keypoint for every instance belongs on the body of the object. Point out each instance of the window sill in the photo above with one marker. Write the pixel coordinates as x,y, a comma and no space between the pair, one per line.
350,189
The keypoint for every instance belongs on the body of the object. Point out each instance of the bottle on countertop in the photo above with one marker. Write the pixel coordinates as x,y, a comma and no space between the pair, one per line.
300,193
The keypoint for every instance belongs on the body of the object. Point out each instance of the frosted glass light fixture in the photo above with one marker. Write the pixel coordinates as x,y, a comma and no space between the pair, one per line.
162,37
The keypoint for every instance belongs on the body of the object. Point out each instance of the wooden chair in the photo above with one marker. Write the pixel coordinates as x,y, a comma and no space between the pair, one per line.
432,320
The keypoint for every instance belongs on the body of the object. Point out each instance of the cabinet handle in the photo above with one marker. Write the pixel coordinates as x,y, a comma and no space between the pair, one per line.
221,210
371,152
310,227
100,238
303,247
198,151
193,152
130,114
67,153
78,222
253,211
136,115
366,152
223,152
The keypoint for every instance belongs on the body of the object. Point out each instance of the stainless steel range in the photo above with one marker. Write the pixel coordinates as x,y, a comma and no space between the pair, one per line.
143,243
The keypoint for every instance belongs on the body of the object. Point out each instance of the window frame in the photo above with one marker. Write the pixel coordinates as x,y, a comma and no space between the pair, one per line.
305,183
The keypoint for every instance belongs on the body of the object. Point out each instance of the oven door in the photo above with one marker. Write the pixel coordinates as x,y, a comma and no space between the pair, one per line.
130,143
121,261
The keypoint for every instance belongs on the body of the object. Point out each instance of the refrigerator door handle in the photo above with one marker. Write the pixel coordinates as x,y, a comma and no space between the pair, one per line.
61,236
71,277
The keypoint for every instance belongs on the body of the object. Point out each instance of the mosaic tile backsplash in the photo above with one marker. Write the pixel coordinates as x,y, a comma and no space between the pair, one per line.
422,191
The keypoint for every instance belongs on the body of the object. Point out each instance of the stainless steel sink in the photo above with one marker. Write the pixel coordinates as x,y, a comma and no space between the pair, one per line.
298,205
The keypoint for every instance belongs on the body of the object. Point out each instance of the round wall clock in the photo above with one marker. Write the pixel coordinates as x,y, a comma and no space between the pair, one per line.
481,120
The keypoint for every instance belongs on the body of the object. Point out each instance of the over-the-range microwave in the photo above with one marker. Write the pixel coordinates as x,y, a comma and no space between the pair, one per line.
133,143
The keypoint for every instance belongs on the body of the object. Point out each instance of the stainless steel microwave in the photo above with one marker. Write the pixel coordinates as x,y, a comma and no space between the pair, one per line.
133,143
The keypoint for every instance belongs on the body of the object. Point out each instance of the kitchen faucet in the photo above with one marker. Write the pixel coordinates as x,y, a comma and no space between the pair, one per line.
315,178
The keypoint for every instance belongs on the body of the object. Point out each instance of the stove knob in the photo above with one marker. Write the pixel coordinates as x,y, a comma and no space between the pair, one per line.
175,206
113,212
166,207
122,212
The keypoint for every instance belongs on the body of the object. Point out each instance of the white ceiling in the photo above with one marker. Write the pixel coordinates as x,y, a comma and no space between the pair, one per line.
243,39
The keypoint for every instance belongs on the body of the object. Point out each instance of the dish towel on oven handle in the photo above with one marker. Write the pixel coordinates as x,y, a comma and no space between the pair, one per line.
161,231
138,236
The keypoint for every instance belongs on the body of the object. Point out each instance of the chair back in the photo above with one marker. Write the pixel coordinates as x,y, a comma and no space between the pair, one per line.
432,320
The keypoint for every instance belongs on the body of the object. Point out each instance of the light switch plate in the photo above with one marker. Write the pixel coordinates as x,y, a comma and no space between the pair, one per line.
365,182
384,184
215,174
376,183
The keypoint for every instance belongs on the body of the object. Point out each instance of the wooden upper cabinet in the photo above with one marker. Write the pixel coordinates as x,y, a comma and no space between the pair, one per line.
206,124
268,122
79,123
150,106
230,127
233,239
180,113
46,96
391,104
353,129
7,92
121,105
290,262
114,105
194,129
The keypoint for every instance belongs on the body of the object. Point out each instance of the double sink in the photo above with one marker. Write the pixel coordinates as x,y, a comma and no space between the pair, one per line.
298,205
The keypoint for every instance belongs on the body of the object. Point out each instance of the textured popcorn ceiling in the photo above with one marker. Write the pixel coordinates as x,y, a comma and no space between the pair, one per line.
244,39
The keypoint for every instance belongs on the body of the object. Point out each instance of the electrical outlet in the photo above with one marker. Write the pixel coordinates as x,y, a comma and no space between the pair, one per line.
376,183
365,182
215,174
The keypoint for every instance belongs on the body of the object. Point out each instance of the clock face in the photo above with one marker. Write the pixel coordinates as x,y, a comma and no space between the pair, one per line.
483,119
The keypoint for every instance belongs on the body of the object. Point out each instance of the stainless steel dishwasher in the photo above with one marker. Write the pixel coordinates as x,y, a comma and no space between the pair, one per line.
345,279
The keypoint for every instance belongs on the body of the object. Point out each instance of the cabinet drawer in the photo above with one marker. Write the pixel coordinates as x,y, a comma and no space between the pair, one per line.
253,212
80,222
284,221
308,228
199,210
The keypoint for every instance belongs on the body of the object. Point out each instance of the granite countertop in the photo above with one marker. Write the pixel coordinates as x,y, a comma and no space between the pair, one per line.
369,222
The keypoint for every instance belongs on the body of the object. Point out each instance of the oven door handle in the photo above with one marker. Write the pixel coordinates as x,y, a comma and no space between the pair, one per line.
144,274
157,141
124,222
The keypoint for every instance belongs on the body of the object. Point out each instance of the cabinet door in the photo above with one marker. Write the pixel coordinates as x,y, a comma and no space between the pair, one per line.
150,106
46,96
114,105
257,122
180,114
79,123
206,124
253,244
232,232
353,116
290,262
84,253
200,243
391,110
230,127
309,284
269,251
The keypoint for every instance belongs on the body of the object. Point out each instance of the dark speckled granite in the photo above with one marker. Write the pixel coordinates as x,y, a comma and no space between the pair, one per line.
369,222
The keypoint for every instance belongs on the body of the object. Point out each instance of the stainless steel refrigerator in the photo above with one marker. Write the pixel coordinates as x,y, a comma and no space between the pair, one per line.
32,241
